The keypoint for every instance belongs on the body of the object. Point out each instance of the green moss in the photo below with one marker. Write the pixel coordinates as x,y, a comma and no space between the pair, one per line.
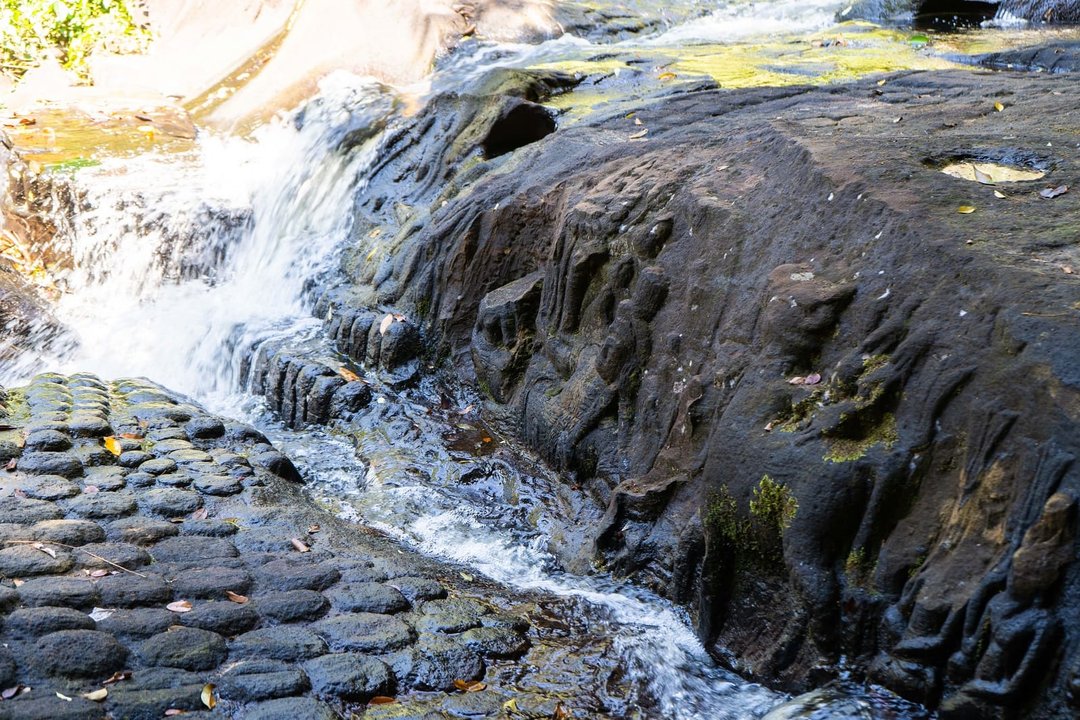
799,414
848,449
773,504
871,363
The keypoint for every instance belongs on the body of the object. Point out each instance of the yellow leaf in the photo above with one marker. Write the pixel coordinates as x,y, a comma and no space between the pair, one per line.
965,209
468,686
97,695
207,696
668,76
113,445
999,107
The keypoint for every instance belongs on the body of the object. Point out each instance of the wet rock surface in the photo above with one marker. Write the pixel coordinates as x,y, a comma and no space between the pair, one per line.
799,296
164,590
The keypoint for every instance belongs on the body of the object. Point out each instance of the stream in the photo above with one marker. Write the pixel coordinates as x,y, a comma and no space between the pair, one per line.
185,261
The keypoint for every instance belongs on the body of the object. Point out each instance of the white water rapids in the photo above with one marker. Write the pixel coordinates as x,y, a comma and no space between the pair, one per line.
182,262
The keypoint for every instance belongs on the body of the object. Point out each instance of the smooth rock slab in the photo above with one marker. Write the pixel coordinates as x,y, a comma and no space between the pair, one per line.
219,485
289,575
365,632
71,592
126,591
223,617
49,487
193,549
292,606
140,530
36,622
211,582
290,709
185,648
348,676
101,505
367,597
437,661
50,463
24,511
497,642
78,654
24,561
137,623
418,589
69,532
286,642
253,681
170,502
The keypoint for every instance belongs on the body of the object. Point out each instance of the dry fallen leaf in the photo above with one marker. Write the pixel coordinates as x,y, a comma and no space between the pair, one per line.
560,713
179,606
468,686
99,573
63,697
769,427
1052,192
313,529
1067,269
10,465
797,380
200,514
173,712
965,209
91,489
131,436
640,134
812,379
299,545
349,375
1000,195
18,582
385,324
466,410
668,76
999,107
236,597
45,549
11,692
97,695
207,696
981,177
117,677
381,700
113,445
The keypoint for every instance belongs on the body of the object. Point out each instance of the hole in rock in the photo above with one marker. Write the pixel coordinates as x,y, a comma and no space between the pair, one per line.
522,125
992,167
953,13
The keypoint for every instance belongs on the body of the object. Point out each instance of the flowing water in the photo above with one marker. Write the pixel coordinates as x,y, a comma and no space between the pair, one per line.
184,261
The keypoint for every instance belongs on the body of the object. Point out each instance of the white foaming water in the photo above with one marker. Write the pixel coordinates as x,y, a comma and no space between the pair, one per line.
180,261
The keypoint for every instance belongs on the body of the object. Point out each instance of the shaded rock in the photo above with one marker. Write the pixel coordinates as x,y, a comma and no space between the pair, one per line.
348,676
78,654
288,643
364,632
185,648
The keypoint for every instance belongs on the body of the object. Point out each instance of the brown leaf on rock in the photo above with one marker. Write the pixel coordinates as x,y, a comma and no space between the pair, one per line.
18,582
118,677
381,700
468,686
313,529
639,135
1052,192
1067,269
561,713
236,597
200,514
207,696
813,379
12,463
113,445
131,436
173,712
299,545
179,606
349,375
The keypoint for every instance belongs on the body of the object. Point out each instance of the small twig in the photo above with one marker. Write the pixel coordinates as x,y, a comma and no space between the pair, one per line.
77,549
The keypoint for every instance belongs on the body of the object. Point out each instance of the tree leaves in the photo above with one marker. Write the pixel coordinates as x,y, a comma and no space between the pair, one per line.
179,606
236,597
348,374
207,696
97,695
469,686
299,545
1052,192
965,209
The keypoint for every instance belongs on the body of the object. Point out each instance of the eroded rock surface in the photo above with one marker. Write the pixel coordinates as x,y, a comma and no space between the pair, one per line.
781,283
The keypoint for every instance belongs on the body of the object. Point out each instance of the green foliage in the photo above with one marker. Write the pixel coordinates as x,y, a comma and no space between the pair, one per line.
32,29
